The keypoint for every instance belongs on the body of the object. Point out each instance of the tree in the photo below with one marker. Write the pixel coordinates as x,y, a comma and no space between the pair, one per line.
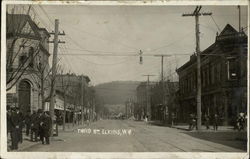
23,46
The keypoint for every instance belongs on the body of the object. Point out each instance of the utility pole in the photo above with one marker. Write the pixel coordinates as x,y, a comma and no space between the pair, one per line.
239,18
162,81
54,64
82,98
197,14
148,97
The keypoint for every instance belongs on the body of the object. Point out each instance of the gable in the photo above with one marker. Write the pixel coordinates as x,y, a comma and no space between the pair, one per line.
228,30
27,30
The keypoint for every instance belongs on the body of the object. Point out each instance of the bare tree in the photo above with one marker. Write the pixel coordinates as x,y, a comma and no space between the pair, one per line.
42,78
23,46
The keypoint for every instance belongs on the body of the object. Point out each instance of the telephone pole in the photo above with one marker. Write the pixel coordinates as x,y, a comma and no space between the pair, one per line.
197,14
54,65
148,97
82,98
162,81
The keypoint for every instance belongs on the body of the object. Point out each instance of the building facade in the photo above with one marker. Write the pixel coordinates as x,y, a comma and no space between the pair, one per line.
72,92
223,78
164,101
27,51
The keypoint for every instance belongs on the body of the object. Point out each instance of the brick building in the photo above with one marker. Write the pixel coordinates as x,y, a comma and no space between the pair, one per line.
223,78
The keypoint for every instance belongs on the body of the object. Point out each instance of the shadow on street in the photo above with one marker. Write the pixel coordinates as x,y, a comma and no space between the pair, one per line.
232,139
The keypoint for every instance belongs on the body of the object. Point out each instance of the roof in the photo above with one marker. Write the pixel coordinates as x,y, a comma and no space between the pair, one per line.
227,32
16,21
228,29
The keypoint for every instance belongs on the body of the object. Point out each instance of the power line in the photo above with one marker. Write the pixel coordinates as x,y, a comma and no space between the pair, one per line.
92,51
86,54
215,23
178,40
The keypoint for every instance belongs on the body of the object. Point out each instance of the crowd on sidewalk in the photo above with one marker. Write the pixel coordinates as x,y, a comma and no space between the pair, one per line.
239,123
37,125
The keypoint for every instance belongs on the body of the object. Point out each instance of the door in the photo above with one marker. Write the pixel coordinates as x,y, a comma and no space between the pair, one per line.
24,92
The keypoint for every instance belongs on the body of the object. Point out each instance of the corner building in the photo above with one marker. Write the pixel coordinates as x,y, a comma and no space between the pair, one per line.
223,78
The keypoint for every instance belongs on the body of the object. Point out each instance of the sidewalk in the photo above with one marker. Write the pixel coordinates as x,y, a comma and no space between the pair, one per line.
26,139
203,128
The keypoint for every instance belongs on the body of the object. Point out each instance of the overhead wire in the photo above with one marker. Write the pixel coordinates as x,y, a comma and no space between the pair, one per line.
215,23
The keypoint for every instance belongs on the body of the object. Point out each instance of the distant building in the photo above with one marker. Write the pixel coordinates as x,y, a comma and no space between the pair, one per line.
27,49
164,103
141,109
223,78
68,90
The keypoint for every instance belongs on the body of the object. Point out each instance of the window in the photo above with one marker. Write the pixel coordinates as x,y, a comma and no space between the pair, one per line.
22,60
212,74
31,56
219,71
215,74
208,76
232,69
204,78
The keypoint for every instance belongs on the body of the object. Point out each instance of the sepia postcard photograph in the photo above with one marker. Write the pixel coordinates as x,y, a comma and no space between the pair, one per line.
141,81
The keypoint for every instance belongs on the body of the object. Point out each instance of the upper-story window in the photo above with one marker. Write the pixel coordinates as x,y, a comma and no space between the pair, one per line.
232,68
22,60
31,56
212,74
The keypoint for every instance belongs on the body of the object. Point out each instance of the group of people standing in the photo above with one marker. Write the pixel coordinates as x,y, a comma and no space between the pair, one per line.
193,122
37,124
239,122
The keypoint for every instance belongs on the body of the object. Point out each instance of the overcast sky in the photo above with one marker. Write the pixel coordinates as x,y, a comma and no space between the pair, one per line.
128,29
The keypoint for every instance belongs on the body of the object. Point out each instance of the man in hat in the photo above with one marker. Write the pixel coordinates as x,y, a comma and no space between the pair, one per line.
21,124
40,122
46,127
8,119
28,122
34,123
15,128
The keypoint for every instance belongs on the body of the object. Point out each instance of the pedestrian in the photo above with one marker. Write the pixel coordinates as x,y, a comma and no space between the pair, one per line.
195,122
21,124
207,121
240,122
34,126
28,122
216,121
8,120
191,121
40,120
14,128
46,127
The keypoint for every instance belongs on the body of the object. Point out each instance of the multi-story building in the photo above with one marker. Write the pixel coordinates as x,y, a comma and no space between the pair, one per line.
27,51
223,78
164,101
71,92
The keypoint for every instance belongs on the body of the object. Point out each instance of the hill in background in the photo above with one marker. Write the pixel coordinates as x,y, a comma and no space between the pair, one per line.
117,92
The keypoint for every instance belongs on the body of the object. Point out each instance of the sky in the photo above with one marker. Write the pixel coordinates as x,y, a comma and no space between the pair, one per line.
125,30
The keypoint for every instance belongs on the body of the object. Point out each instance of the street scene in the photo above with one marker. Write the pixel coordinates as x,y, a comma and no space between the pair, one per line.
126,78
